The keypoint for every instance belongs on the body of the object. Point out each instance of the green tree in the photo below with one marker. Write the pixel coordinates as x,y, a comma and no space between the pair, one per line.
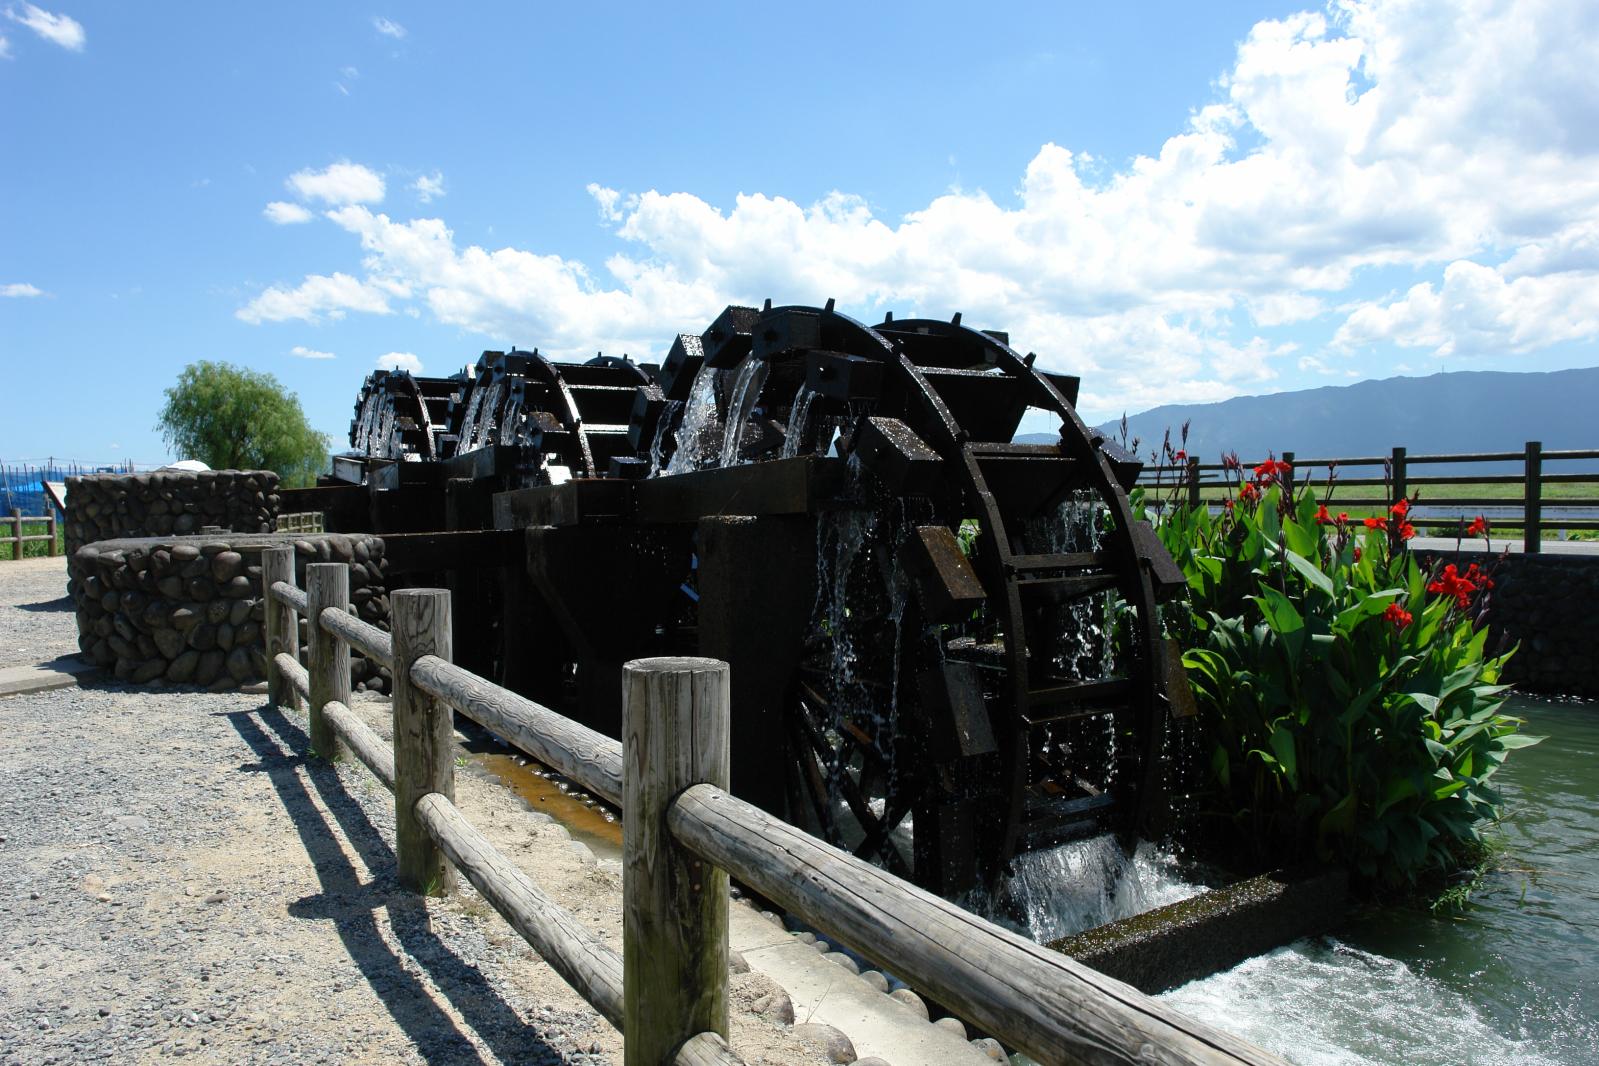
232,418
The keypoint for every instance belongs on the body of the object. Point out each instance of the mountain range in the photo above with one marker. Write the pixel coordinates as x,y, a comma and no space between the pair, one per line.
1459,411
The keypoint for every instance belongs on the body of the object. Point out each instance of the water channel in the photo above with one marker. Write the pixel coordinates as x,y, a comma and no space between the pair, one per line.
1514,979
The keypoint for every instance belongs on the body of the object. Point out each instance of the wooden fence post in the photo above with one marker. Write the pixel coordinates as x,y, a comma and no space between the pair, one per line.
327,588
424,737
16,531
1288,478
282,632
1400,475
1532,500
1193,481
50,525
674,906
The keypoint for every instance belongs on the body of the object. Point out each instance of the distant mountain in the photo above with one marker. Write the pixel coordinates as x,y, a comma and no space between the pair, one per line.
1461,411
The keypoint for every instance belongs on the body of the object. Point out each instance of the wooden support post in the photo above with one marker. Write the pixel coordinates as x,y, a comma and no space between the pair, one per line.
424,737
50,526
674,906
16,532
1193,482
1400,475
281,629
1532,500
1288,478
327,588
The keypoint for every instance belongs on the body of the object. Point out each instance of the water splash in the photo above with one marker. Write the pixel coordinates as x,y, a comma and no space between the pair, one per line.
746,390
798,421
663,425
1086,883
699,435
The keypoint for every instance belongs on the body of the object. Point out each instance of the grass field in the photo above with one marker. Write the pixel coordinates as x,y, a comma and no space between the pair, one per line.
32,548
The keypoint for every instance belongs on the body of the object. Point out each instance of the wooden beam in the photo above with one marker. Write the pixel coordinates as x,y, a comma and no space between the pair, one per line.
327,589
1053,1008
282,632
424,737
363,743
674,904
364,637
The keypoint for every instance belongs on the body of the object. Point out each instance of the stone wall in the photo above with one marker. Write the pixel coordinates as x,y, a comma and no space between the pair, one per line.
1549,603
166,503
188,610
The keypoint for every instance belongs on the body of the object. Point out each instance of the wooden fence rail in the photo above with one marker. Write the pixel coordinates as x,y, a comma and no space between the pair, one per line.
1189,480
683,835
16,520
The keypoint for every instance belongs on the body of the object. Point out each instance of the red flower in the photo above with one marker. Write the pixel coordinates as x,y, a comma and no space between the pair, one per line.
1343,518
1249,493
1453,583
1397,615
1271,468
1401,508
1406,530
1227,504
1377,523
1180,456
1322,517
1357,555
1478,527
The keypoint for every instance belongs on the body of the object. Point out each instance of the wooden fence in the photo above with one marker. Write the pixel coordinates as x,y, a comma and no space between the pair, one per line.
683,835
1189,480
16,520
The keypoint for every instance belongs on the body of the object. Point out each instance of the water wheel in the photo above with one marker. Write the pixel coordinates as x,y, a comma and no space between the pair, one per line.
983,673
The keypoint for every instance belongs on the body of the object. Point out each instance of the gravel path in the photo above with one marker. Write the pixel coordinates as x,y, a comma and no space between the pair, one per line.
36,622
178,879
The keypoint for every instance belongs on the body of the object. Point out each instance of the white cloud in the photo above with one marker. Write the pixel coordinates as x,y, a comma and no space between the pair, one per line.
427,186
20,289
342,183
316,297
400,361
388,27
1375,135
57,29
300,351
285,214
5,47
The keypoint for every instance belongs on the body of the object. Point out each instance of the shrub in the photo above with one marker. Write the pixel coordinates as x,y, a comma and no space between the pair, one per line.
1349,706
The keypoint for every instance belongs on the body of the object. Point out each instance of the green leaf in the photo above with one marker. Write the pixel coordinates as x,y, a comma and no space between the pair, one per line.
1518,740
1311,573
1282,743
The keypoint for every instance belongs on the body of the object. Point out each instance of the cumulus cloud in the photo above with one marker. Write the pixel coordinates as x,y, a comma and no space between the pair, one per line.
427,186
285,214
400,361
342,183
5,47
1458,143
20,290
57,29
320,296
300,351
388,27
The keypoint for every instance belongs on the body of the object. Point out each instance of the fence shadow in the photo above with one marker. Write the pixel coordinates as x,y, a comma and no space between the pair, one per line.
50,606
280,747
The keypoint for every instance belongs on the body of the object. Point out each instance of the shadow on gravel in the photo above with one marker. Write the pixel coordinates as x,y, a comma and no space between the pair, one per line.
352,907
50,606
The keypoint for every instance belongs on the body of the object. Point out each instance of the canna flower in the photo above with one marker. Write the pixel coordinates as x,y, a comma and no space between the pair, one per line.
1460,586
1397,615
1322,517
1343,518
1406,530
1478,527
1376,523
1400,509
1357,554
1272,468
1180,456
1249,493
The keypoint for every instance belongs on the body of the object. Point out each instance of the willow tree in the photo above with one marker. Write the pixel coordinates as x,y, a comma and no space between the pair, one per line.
233,418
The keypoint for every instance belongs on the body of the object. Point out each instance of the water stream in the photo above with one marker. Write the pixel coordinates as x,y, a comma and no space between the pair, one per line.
746,391
1515,979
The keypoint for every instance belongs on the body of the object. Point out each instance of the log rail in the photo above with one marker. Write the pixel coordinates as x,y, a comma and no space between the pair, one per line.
683,837
16,538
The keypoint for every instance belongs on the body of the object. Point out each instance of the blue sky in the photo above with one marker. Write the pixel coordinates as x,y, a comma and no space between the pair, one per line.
1180,202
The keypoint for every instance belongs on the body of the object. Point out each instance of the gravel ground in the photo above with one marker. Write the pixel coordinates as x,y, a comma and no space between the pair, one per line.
36,621
178,879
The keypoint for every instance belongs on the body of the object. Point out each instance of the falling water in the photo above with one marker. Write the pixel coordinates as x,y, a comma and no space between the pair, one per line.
799,416
480,414
699,435
1075,887
663,425
746,390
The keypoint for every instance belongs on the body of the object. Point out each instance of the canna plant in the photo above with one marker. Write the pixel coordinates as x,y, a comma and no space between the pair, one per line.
1350,706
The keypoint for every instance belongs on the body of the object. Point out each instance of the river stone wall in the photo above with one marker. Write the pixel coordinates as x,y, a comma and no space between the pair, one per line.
188,610
1549,604
166,503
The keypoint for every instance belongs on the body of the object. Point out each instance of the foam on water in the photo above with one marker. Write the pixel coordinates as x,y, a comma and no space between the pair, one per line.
1325,1003
1086,883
